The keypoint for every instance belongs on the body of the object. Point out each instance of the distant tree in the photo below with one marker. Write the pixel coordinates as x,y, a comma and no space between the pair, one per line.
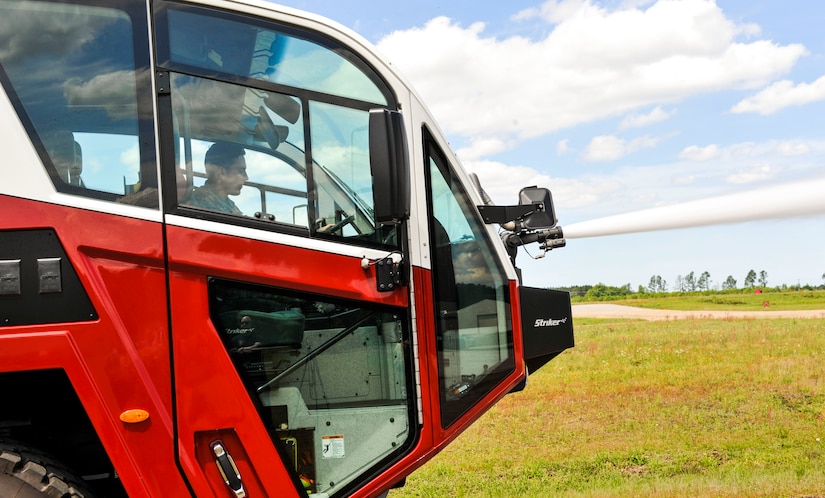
704,281
750,279
657,284
601,292
576,290
729,283
690,282
763,278
679,285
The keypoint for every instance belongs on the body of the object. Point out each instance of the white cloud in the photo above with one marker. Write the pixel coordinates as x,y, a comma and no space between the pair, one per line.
778,148
696,153
563,147
502,183
794,148
593,64
780,95
744,149
657,115
482,147
610,147
554,11
605,148
755,174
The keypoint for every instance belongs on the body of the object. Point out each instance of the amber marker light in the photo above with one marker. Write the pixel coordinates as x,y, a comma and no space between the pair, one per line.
134,416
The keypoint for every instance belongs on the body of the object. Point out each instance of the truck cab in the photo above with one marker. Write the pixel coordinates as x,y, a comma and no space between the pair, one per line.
237,257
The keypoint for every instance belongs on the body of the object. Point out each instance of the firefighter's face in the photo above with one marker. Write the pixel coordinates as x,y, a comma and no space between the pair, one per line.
234,176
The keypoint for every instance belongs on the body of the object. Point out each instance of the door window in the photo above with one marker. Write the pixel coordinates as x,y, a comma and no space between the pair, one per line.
330,377
472,301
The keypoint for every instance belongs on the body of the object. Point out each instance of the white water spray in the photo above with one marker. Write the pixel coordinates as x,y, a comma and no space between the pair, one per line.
783,201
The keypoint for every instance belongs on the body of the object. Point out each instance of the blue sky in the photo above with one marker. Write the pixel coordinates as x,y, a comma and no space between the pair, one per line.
627,106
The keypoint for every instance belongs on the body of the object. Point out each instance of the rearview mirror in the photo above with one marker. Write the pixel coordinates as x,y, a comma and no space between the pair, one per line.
273,134
283,106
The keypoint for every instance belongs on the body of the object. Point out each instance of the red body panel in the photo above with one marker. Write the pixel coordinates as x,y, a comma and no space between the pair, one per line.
210,395
121,360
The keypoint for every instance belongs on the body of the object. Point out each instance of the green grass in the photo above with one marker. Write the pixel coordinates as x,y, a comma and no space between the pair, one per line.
722,408
745,301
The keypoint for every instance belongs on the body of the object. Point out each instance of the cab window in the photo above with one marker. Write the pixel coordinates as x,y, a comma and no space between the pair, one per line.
292,107
78,76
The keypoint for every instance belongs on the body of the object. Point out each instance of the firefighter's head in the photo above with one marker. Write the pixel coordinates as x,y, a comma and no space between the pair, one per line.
226,167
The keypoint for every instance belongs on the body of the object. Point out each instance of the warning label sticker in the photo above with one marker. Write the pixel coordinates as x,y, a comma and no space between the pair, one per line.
332,446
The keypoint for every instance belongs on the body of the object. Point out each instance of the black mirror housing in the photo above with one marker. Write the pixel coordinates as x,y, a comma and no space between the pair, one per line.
544,216
390,166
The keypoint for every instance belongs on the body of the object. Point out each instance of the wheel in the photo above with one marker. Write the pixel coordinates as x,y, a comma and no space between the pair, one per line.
28,473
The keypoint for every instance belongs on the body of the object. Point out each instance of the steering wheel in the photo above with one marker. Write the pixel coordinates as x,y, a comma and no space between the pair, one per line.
341,224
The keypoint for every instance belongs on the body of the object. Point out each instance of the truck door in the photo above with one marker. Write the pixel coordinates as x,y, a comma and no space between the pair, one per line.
292,371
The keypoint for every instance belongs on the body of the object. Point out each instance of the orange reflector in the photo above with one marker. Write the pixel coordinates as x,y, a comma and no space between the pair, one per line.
134,416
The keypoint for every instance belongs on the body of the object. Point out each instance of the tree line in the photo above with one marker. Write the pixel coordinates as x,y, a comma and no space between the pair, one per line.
683,283
692,283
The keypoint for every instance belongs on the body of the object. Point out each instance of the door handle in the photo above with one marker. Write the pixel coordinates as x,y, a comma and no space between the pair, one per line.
227,468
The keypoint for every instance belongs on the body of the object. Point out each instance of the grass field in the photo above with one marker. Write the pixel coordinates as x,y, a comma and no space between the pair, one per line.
721,408
741,301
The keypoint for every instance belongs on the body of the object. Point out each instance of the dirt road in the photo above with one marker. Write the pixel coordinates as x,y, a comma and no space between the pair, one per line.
601,310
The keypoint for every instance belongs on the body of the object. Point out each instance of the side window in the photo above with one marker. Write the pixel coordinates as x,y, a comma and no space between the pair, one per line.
341,168
330,378
290,111
82,88
472,301
233,156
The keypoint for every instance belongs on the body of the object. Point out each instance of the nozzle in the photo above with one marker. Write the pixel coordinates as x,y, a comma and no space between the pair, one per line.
549,245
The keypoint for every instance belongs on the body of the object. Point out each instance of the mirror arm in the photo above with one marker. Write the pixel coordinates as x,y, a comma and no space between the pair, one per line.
505,214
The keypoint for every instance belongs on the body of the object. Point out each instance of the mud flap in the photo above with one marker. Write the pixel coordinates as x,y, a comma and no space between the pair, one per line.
546,325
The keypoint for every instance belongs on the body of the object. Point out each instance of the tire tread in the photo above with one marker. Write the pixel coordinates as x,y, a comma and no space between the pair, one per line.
40,472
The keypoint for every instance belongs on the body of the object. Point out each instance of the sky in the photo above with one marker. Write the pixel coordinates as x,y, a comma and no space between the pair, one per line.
698,122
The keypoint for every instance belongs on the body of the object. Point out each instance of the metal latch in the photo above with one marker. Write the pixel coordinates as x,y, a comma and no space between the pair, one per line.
227,468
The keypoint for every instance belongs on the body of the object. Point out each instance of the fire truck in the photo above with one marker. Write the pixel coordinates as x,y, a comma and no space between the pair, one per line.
238,258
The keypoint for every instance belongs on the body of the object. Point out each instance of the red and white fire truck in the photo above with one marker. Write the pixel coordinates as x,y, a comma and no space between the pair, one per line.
237,258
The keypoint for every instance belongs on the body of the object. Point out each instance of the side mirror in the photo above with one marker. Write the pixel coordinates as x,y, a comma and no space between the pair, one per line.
544,216
534,211
390,166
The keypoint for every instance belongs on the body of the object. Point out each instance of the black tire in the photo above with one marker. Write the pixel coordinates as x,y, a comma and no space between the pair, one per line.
28,473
